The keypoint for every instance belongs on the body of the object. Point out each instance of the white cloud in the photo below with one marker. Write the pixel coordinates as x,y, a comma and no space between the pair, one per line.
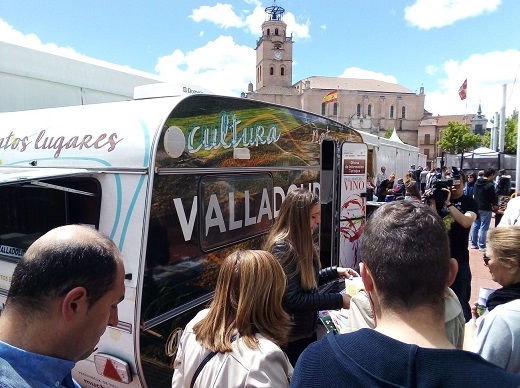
299,30
427,14
10,35
486,73
356,72
431,69
221,66
222,15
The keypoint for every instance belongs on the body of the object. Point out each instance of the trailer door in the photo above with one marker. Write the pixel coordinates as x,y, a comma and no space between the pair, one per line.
352,203
343,184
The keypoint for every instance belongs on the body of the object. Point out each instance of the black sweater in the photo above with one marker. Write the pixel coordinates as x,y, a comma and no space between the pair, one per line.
303,306
484,194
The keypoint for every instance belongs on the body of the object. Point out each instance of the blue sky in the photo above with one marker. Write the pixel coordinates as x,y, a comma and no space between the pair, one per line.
431,43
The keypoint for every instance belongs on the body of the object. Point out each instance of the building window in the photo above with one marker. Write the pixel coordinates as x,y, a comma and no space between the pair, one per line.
427,153
391,111
370,110
282,71
271,70
479,129
335,109
427,138
268,31
323,109
403,112
358,110
276,31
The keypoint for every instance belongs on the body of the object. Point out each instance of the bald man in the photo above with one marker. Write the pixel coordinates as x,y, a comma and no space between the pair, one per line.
64,293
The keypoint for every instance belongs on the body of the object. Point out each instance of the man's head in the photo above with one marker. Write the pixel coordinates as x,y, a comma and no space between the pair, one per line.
459,181
481,174
489,173
383,169
73,276
501,172
407,275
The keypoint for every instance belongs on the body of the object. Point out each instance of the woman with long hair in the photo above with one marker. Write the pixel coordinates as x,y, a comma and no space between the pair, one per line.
411,188
497,336
291,242
237,341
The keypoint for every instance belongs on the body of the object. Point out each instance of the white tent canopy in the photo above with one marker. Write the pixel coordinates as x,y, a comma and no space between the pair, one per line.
482,152
395,137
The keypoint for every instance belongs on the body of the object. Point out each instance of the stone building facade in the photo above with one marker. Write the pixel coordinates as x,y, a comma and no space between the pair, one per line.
365,104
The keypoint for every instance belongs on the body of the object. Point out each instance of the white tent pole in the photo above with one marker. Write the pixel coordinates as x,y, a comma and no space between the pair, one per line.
517,184
502,132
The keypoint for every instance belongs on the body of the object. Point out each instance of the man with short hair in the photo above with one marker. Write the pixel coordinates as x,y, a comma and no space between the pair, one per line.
64,293
486,198
408,347
381,176
458,212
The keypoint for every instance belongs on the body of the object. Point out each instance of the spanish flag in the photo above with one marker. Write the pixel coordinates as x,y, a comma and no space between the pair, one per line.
463,90
331,97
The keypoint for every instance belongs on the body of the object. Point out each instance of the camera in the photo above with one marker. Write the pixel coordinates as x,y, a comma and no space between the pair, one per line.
438,194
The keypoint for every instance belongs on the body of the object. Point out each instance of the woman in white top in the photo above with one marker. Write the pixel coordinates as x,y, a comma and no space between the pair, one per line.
497,336
236,342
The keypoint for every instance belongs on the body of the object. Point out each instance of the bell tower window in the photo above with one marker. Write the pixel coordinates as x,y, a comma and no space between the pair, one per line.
271,70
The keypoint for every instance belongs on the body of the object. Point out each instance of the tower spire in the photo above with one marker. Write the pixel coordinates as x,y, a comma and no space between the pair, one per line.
275,12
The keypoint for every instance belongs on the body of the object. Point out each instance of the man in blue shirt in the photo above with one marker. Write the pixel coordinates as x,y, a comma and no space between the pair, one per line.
406,289
64,293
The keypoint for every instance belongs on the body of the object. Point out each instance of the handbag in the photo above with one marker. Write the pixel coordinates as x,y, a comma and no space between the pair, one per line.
205,361
201,366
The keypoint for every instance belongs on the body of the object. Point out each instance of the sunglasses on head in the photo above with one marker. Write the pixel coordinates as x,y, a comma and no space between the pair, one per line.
486,260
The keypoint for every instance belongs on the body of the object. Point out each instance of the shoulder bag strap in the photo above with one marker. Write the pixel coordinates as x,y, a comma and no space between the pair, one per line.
199,369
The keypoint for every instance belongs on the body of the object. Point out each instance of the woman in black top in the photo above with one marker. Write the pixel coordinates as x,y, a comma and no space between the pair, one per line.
291,242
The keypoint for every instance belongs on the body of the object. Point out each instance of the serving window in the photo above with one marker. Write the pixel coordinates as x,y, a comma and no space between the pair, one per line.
30,209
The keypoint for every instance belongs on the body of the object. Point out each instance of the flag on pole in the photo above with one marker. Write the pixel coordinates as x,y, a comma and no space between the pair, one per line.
463,89
331,97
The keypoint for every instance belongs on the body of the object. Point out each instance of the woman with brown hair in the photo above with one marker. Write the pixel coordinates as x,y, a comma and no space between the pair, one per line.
411,188
236,342
291,242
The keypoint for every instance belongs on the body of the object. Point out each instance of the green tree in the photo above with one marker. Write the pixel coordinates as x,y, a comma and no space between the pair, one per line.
511,134
458,138
388,133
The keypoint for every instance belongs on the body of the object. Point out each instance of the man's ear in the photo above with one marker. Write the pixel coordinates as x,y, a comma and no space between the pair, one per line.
454,268
74,303
366,276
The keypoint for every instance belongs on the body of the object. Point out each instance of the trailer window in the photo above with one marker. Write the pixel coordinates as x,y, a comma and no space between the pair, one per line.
31,209
195,222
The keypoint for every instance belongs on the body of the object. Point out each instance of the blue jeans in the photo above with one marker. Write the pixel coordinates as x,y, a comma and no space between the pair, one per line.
480,228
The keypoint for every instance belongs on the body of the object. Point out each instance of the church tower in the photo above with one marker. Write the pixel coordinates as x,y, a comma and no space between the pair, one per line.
274,51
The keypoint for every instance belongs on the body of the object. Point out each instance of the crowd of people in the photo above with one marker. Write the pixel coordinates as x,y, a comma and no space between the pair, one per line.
407,326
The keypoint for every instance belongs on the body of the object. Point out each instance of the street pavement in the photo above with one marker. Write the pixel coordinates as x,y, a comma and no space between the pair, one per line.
479,272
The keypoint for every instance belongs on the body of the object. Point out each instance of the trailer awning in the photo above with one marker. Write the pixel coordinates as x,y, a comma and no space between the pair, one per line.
20,175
